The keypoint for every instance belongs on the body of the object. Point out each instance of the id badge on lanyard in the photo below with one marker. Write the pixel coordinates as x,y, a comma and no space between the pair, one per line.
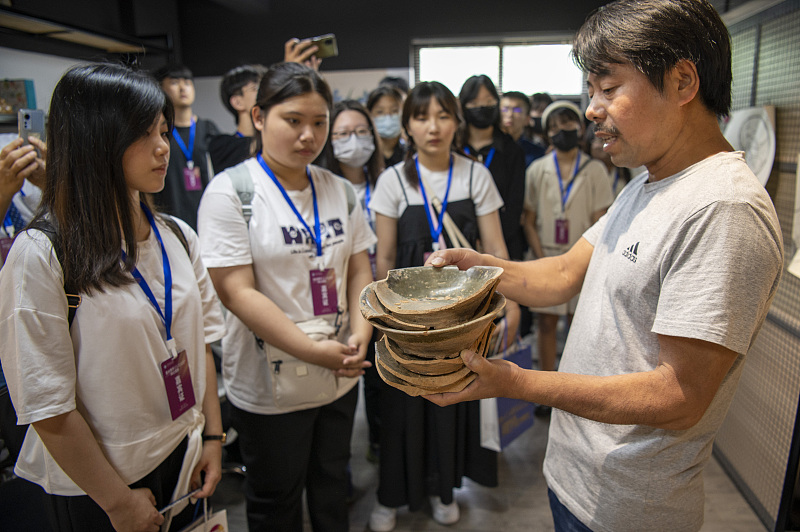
322,280
174,370
191,173
561,236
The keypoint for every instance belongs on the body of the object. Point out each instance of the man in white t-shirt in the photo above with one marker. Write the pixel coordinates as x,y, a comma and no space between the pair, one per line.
676,280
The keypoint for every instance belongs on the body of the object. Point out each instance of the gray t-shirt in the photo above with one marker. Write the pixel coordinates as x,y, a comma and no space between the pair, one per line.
696,255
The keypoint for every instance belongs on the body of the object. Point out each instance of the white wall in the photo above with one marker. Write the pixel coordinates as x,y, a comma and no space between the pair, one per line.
345,84
44,70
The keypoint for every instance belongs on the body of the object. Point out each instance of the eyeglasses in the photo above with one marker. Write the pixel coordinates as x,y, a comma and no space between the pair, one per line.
360,132
515,110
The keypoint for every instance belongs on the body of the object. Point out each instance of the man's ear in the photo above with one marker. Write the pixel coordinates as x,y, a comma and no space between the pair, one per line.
684,80
237,102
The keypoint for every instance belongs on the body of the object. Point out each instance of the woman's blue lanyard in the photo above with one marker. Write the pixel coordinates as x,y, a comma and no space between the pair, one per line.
366,202
488,159
187,150
565,194
317,233
616,180
238,134
436,231
166,316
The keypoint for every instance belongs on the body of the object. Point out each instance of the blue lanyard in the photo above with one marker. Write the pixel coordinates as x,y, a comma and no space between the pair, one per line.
436,231
489,157
238,134
317,233
187,151
366,202
616,179
565,194
166,316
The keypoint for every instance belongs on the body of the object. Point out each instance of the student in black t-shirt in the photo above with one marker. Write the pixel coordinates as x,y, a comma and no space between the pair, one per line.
189,165
238,92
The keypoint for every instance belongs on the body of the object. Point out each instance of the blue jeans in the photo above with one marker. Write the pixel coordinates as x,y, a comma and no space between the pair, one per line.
563,519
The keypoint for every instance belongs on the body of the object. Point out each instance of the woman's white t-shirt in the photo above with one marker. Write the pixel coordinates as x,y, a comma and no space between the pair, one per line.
109,367
282,254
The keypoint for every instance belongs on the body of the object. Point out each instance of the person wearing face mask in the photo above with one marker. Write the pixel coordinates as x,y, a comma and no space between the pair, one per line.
384,105
353,152
483,139
566,192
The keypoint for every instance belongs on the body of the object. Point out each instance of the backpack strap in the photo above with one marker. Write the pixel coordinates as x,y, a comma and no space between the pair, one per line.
72,295
242,182
351,196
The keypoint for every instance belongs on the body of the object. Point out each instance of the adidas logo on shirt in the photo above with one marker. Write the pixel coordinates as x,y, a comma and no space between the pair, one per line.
631,252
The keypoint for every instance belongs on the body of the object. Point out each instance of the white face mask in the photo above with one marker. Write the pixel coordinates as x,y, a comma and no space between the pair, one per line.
353,151
388,126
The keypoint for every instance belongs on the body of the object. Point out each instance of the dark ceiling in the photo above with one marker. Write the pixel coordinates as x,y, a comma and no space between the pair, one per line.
211,36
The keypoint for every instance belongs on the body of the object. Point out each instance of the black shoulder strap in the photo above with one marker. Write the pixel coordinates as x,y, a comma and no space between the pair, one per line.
471,168
173,225
72,295
400,180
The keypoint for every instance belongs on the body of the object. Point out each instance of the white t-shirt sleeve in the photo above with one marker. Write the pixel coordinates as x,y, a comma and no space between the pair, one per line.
485,195
36,350
223,232
388,199
213,321
602,192
363,236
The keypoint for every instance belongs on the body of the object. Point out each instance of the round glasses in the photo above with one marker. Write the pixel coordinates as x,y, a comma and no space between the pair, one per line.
360,132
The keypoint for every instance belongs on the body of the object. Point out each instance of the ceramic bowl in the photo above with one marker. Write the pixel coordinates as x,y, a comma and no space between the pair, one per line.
396,382
436,297
443,343
373,310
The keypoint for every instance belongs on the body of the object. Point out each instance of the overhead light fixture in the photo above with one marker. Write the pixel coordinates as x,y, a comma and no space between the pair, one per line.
54,30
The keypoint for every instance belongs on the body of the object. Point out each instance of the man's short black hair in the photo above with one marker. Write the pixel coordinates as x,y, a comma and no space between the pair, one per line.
520,97
235,79
540,101
654,35
172,70
397,82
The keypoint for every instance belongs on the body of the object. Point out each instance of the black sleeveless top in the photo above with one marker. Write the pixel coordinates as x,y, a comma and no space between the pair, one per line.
413,234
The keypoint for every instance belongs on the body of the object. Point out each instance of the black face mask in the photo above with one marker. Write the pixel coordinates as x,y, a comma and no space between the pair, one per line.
537,125
565,140
482,117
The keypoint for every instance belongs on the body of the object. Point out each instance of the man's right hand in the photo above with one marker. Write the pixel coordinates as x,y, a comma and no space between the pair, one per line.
137,513
461,257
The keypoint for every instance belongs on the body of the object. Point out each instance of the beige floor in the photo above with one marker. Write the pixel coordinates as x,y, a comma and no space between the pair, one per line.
519,503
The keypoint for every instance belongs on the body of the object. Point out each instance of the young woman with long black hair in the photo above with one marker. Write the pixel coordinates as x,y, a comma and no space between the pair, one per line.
425,450
288,277
123,403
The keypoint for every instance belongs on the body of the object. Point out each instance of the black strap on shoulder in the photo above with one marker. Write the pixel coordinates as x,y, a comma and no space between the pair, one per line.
471,168
400,180
173,225
72,295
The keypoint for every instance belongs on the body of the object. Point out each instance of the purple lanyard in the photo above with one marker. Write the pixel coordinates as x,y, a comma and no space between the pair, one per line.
565,194
187,150
317,232
436,231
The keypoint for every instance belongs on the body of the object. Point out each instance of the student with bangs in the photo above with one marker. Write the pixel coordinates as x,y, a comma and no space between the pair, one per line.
290,273
426,450
121,391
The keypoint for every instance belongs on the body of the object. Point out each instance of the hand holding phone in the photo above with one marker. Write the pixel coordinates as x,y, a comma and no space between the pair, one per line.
30,123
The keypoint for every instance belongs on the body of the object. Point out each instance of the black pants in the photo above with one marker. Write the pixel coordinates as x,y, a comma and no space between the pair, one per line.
285,453
12,434
372,393
81,513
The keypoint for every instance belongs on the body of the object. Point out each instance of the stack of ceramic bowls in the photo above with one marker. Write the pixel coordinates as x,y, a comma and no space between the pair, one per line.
428,316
